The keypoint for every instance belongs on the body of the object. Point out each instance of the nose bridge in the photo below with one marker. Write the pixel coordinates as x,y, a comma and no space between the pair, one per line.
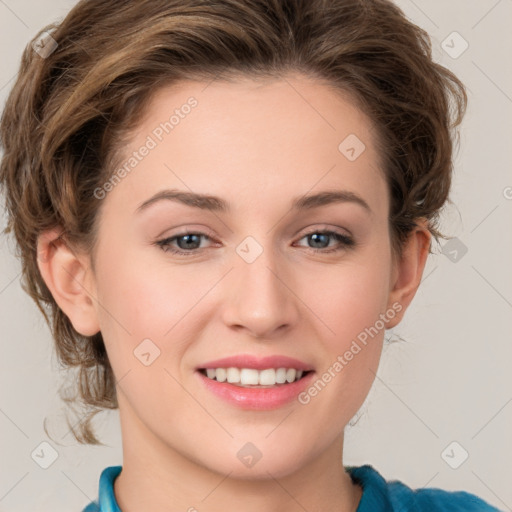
261,302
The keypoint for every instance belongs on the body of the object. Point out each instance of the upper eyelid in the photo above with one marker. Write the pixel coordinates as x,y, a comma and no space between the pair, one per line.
308,230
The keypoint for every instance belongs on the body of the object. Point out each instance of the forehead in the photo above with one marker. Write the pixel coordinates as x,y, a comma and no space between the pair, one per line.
252,140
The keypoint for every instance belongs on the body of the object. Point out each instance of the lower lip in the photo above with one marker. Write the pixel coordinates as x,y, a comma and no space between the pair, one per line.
257,398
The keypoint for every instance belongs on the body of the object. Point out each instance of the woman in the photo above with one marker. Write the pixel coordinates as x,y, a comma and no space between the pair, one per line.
224,205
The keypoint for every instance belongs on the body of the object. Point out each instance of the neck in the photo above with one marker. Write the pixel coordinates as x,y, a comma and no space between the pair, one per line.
160,478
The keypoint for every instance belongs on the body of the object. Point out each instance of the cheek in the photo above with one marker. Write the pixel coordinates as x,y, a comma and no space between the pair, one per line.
136,303
141,306
351,299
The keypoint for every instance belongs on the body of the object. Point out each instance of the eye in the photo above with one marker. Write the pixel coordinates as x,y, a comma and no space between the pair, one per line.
189,241
321,239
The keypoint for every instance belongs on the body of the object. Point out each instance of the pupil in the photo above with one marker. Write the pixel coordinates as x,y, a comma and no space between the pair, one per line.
314,237
187,241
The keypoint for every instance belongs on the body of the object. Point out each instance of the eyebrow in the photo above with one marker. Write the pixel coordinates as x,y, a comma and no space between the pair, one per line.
217,204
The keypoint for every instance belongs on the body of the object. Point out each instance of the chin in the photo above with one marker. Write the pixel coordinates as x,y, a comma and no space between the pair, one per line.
262,459
261,470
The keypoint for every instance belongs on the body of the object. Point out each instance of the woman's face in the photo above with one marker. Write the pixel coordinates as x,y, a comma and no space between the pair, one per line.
256,278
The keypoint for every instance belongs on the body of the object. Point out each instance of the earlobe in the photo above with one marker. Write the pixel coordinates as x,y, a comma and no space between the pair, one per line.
68,277
409,270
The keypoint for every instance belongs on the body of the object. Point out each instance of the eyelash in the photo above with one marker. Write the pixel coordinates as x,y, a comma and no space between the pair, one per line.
345,241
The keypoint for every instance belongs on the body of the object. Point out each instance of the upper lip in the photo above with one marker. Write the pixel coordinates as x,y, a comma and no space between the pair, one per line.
257,363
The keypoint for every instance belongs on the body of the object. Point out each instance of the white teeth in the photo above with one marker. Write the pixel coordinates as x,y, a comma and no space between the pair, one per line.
220,374
233,375
290,374
266,377
249,376
253,377
281,375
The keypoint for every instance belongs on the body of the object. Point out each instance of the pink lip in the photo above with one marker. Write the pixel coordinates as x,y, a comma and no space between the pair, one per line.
257,363
257,398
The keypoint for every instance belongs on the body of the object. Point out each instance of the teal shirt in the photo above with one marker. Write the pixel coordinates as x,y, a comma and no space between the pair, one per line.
378,495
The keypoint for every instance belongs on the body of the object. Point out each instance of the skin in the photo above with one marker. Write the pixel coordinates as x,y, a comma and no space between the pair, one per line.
258,145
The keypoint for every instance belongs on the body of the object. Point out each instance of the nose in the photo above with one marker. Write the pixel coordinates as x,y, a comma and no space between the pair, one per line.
260,297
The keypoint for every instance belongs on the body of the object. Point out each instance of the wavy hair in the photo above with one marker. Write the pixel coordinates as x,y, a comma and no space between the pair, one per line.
69,112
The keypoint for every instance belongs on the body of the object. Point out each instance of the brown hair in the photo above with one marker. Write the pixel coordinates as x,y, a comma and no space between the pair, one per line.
69,112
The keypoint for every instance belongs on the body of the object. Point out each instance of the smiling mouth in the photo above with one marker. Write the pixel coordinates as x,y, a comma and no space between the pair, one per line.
247,378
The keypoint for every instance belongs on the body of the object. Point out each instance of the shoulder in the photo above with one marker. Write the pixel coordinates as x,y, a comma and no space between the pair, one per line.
380,495
106,498
437,499
92,507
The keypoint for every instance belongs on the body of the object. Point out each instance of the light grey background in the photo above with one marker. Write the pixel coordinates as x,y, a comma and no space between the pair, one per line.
450,380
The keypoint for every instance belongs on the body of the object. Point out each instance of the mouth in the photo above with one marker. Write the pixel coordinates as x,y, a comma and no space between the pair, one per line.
253,389
253,378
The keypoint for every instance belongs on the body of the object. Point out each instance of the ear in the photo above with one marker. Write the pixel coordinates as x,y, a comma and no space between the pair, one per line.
69,279
408,270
